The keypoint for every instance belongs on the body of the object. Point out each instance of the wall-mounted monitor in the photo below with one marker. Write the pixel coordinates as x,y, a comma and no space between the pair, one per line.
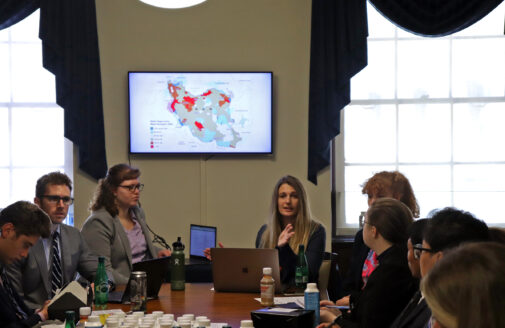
200,112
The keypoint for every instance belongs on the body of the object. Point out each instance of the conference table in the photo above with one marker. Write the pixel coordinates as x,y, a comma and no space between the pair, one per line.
199,299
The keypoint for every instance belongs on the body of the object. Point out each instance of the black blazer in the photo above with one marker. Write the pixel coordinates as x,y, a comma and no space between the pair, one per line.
8,317
388,290
415,315
353,281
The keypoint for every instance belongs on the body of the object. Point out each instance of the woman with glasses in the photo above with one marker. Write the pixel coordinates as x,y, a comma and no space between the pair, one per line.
390,286
116,228
392,184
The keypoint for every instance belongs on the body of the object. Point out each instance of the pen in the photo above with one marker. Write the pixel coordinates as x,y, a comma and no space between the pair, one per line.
340,307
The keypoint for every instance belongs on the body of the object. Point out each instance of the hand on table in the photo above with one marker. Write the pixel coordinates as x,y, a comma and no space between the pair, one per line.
164,253
206,251
328,314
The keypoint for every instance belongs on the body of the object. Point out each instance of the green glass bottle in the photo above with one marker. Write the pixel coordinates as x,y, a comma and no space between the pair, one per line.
302,269
177,270
69,319
101,285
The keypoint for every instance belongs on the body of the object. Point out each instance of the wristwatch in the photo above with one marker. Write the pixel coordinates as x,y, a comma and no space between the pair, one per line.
338,321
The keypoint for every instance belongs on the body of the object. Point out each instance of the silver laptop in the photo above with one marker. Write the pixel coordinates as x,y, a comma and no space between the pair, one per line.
241,269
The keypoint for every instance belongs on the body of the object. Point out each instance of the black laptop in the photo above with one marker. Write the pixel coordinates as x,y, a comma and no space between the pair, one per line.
156,270
200,238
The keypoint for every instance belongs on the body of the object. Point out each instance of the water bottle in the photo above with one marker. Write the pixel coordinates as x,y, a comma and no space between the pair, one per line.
101,285
302,269
69,319
177,273
312,301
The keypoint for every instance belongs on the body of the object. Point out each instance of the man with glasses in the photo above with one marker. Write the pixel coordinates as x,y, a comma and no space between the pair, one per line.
55,261
447,229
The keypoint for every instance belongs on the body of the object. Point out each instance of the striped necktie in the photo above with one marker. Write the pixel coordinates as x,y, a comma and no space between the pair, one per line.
10,292
56,273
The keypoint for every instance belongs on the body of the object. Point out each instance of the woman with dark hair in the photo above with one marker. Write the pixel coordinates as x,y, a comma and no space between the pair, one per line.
289,225
465,288
116,228
390,285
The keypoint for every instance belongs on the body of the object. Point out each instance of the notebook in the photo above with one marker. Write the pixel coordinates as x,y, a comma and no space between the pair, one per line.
241,269
156,270
200,238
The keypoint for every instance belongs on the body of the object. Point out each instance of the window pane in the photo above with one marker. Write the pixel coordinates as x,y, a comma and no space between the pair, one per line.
480,177
39,132
26,30
370,134
487,206
492,24
423,68
378,25
424,133
5,89
5,190
376,81
4,137
431,185
479,67
4,35
25,180
355,201
30,81
479,132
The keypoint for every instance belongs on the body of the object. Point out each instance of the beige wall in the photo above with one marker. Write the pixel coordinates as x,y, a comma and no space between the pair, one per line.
228,192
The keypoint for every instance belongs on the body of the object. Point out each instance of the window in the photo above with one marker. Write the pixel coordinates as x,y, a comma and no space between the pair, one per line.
31,124
434,109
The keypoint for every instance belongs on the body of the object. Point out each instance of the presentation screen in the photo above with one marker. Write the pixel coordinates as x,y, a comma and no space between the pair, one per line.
200,112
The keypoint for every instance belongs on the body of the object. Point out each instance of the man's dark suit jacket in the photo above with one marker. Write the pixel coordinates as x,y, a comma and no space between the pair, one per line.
8,317
415,315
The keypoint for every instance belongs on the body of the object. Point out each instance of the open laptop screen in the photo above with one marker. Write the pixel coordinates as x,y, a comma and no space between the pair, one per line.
201,237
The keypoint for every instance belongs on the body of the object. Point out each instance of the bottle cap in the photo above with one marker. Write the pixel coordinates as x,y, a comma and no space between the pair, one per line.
301,247
311,285
246,323
267,270
85,311
178,245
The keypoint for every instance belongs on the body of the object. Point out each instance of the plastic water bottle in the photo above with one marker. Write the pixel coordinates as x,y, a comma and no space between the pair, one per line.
267,287
177,273
101,285
312,301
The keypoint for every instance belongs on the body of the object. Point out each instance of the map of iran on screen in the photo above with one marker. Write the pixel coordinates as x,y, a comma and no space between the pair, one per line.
200,112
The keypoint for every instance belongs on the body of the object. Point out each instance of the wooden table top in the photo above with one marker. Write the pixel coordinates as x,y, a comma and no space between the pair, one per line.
199,299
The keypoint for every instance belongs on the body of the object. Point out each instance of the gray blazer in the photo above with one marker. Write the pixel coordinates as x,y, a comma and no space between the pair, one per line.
106,237
30,276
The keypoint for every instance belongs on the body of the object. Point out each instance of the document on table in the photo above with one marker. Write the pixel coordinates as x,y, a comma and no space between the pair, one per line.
298,300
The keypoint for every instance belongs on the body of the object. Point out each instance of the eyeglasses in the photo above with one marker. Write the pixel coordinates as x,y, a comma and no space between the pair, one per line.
54,199
418,249
132,188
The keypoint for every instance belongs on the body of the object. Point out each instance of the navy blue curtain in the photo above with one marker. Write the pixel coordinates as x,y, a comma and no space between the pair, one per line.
434,17
338,51
13,11
68,30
